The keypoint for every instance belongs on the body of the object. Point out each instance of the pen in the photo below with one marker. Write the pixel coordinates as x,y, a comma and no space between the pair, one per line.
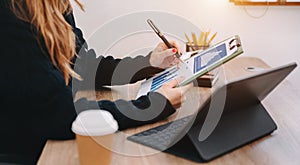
162,37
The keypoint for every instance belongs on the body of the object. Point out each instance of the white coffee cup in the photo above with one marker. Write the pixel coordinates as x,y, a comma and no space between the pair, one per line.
94,131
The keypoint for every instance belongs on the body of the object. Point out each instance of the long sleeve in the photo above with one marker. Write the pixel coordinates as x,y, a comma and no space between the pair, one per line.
109,71
36,105
100,71
144,110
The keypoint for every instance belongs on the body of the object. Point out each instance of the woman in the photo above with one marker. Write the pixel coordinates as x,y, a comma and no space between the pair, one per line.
38,42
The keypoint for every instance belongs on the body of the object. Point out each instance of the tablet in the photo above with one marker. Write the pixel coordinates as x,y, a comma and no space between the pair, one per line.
197,65
221,124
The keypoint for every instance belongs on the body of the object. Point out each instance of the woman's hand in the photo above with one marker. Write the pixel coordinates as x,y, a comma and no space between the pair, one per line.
174,94
162,57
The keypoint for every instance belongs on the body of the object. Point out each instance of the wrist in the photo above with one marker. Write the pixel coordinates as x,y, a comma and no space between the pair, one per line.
150,60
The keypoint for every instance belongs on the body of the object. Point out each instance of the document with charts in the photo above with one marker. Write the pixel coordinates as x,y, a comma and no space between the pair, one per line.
199,64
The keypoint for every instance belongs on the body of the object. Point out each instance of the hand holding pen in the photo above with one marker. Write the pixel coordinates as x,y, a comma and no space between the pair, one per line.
166,54
163,57
171,46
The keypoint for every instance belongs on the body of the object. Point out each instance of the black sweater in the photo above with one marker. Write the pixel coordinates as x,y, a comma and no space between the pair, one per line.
36,105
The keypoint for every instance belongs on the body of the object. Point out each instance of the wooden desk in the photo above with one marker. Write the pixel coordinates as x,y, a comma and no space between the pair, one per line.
282,147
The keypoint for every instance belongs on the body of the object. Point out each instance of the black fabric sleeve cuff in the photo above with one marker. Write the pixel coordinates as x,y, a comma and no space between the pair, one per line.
148,71
145,110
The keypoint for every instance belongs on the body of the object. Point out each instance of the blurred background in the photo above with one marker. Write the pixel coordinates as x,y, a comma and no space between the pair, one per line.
271,33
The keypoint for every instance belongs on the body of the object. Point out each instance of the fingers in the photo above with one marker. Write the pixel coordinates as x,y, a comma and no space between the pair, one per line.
185,88
163,57
176,96
164,51
169,52
175,44
162,46
174,82
177,62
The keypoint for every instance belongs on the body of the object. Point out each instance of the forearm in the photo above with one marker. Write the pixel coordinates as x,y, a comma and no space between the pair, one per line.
100,71
109,71
145,110
128,70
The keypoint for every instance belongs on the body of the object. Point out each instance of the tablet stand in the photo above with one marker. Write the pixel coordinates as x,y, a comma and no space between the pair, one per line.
236,128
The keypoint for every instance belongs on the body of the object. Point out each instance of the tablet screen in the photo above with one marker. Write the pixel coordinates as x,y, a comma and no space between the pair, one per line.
209,57
163,78
195,66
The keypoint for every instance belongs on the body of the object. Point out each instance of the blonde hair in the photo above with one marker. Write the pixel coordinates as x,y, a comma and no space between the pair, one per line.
47,17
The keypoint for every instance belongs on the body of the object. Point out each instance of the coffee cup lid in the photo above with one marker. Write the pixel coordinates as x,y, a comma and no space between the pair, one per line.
94,123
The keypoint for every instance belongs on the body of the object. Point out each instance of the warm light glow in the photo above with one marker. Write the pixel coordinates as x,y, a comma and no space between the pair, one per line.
260,0
266,2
